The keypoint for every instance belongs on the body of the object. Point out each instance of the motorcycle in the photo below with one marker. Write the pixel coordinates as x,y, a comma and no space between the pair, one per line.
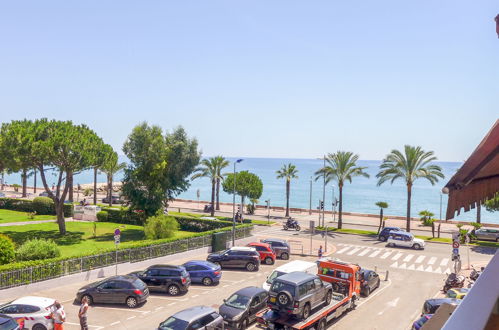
475,274
293,224
453,281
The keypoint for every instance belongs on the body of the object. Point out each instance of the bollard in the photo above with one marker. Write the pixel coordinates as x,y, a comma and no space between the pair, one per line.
386,277
375,269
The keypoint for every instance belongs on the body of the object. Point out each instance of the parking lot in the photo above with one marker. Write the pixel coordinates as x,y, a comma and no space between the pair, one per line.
394,305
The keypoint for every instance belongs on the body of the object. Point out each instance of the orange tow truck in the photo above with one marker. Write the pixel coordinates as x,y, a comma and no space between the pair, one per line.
345,278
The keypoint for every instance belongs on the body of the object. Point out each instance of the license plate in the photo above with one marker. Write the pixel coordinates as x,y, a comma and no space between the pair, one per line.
272,299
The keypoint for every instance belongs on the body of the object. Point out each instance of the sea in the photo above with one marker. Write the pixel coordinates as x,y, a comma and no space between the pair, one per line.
359,196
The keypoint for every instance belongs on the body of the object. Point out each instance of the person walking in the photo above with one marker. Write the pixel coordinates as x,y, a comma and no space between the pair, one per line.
59,316
320,252
82,313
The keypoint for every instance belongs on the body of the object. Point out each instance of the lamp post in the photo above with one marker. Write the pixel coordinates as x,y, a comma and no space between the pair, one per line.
324,193
440,206
310,203
332,203
234,205
268,210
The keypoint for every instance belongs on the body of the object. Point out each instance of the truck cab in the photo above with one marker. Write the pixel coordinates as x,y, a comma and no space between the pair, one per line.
345,277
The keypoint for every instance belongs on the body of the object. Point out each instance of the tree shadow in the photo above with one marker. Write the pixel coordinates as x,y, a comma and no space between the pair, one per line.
126,235
484,249
71,237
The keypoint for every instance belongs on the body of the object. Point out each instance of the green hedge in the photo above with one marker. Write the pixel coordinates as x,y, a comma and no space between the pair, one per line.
24,205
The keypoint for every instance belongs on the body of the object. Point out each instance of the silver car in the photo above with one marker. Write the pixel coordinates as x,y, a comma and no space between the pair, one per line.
199,317
487,234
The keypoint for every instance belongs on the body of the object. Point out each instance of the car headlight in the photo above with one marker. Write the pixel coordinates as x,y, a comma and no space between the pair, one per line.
237,317
81,290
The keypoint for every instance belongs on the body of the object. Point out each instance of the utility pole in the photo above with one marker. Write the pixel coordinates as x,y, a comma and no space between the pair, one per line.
310,204
234,205
324,192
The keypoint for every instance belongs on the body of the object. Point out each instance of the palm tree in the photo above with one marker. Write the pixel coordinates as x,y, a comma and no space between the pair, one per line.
287,172
381,205
220,163
209,169
413,164
110,167
341,166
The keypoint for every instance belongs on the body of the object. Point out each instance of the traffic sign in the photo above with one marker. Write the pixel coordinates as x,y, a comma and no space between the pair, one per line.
455,245
117,231
117,239
455,251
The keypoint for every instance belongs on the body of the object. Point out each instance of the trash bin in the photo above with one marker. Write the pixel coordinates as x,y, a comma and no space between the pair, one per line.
219,241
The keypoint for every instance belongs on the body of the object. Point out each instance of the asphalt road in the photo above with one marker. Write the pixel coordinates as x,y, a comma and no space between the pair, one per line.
393,306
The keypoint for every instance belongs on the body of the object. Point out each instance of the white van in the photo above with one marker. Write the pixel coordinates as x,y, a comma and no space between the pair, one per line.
293,266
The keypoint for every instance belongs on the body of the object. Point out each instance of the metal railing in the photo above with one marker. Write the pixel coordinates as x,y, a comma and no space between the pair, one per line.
61,268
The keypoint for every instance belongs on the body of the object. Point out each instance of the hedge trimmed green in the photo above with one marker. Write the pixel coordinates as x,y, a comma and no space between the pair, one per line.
102,216
43,205
24,205
7,253
37,249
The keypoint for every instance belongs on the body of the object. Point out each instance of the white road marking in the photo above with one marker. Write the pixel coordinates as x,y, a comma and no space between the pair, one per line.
115,323
158,308
403,266
165,298
226,285
429,269
374,254
408,257
397,256
395,264
421,268
372,295
171,304
432,260
131,317
121,309
438,270
353,251
447,271
444,262
411,267
90,326
194,296
386,254
390,304
363,253
343,250
420,259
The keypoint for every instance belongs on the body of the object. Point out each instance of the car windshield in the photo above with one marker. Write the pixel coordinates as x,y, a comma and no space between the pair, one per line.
9,325
275,274
281,286
139,284
172,323
238,301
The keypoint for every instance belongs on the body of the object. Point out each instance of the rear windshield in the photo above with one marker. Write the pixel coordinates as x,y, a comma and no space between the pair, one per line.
184,273
275,274
139,284
172,323
9,325
281,286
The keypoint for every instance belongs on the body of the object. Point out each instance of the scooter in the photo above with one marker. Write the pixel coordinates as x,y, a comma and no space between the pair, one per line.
475,274
293,224
453,281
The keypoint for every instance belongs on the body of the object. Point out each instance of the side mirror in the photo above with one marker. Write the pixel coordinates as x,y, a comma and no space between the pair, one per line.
225,300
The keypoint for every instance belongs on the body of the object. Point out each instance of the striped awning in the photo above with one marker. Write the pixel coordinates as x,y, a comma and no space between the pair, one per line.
478,179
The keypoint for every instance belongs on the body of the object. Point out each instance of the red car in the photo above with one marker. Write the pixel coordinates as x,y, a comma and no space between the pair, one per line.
267,255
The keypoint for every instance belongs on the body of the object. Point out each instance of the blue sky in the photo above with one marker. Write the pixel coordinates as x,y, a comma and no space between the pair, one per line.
259,78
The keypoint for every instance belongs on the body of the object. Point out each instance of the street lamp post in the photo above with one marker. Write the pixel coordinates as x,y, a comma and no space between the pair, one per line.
234,205
324,193
310,203
440,206
332,203
268,210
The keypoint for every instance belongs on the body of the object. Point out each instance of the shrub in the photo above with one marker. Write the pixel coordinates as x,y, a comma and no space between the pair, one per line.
7,252
37,249
31,215
160,226
43,205
87,192
16,187
23,205
102,216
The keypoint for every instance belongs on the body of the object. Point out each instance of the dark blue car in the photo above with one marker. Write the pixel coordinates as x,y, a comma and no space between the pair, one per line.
203,272
383,234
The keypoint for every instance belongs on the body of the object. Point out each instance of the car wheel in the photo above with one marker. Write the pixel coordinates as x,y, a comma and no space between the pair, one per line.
306,312
250,267
39,327
382,238
284,298
173,290
329,296
367,291
243,324
284,256
207,281
322,324
416,246
89,299
269,261
131,302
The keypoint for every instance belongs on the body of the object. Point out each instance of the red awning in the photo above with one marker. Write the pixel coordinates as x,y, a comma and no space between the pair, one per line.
478,179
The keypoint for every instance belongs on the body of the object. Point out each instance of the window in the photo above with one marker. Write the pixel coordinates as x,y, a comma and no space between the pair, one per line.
318,283
302,289
264,296
123,285
310,286
108,285
11,309
260,248
255,301
28,309
165,272
152,272
205,320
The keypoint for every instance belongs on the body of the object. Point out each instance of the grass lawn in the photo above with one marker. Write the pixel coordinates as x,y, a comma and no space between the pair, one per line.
79,238
7,216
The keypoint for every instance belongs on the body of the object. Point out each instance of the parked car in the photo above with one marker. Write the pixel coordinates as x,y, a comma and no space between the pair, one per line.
10,323
418,324
430,306
240,309
383,234
199,317
280,247
34,310
45,194
458,293
487,234
204,272
237,257
298,293
165,278
369,281
2,194
405,239
115,199
292,266
267,255
121,289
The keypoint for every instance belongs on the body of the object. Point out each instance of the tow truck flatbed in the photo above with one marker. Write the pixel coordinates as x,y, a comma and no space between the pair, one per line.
318,320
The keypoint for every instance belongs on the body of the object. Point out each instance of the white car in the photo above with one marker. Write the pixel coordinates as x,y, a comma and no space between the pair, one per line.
292,266
405,239
35,311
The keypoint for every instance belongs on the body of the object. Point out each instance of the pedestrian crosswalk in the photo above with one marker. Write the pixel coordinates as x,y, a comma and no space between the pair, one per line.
398,259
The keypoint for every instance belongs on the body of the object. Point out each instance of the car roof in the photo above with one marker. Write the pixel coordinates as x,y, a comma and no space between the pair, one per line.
296,277
275,240
250,291
126,278
165,267
267,245
36,301
242,248
440,301
392,228
193,313
199,262
366,271
293,265
404,233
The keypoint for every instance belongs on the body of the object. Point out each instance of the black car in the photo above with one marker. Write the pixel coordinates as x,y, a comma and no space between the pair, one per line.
166,278
114,200
237,257
280,247
383,234
198,317
121,289
8,323
369,281
240,309
430,306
